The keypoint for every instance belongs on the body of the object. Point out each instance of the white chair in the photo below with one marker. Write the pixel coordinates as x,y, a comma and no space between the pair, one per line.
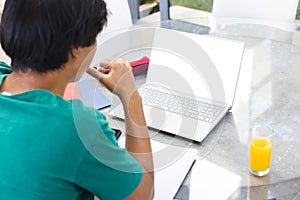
261,16
2,2
119,17
273,12
276,10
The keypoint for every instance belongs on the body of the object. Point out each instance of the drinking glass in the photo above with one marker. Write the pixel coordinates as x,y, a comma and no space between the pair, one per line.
260,150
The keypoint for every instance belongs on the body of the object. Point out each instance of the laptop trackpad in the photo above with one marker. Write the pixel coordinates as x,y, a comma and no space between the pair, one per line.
175,123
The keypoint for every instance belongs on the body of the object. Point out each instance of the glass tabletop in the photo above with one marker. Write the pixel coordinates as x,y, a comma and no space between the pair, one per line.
268,93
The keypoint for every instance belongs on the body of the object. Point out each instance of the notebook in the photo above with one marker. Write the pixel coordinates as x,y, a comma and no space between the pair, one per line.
91,96
191,80
171,164
86,91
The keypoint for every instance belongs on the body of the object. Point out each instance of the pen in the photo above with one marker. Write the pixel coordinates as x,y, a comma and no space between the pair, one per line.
100,68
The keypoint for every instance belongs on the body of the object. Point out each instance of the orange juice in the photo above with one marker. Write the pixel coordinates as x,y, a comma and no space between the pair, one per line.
260,154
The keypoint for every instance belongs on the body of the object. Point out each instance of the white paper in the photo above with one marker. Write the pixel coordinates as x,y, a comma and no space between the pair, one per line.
169,175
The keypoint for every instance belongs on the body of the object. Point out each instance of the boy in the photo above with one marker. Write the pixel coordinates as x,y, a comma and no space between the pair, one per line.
56,149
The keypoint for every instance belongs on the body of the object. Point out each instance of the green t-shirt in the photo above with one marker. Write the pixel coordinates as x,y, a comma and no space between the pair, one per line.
56,149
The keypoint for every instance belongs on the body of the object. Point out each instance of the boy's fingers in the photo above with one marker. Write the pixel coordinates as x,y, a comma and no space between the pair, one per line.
107,63
94,73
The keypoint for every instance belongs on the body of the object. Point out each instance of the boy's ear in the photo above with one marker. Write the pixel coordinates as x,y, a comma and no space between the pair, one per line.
74,52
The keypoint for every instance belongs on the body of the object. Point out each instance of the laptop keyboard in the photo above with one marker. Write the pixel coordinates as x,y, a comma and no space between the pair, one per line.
181,105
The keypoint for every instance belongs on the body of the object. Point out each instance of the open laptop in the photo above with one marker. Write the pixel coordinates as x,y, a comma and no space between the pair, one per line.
191,82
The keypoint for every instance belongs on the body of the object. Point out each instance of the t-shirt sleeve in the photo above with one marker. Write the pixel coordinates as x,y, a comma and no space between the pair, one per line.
4,70
107,170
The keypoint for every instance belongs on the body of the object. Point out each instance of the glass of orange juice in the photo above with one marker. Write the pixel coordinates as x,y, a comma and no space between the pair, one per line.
260,150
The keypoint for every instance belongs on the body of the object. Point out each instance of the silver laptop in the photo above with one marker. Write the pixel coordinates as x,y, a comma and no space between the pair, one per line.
191,82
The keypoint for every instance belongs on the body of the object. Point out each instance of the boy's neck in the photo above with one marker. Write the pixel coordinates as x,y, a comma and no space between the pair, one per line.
19,82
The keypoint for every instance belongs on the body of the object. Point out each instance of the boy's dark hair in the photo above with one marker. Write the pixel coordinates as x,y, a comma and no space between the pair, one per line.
39,34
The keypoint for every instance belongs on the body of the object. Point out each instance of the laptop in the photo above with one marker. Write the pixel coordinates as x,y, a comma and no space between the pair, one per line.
190,84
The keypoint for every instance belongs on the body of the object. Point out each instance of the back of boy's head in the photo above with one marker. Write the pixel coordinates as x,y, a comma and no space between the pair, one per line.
39,34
